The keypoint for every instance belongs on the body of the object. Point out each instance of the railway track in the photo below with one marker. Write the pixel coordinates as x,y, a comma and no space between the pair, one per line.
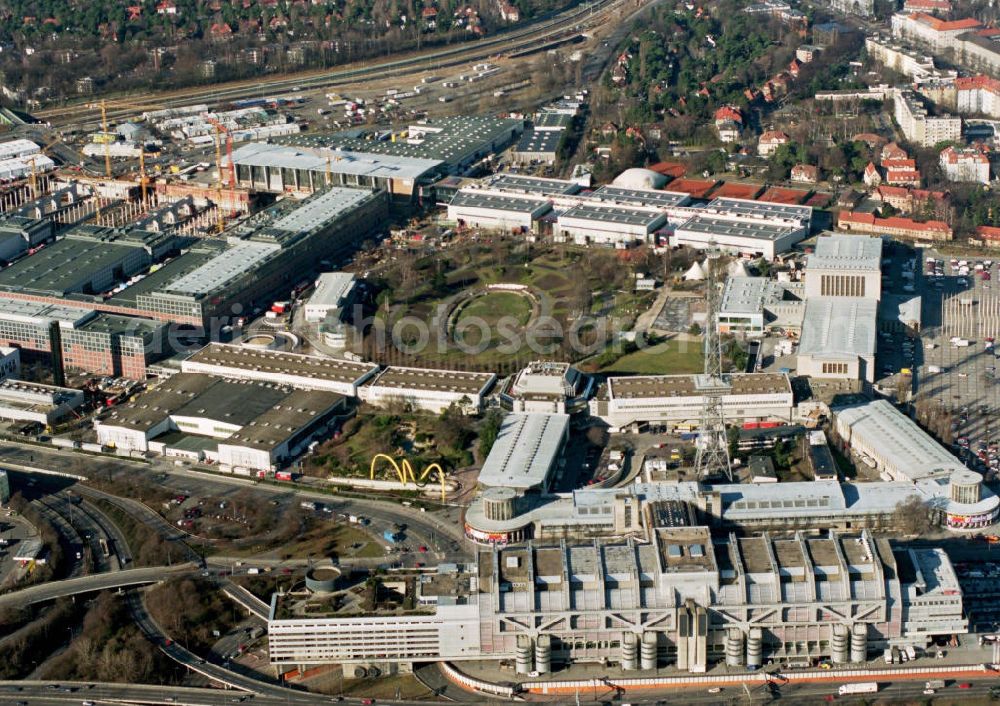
574,20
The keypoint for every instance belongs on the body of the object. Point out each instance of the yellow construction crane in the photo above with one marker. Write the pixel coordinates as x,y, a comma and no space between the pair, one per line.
104,105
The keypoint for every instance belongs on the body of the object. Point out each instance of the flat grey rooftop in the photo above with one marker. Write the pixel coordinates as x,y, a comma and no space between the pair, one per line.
366,164
733,228
902,444
434,142
552,120
228,402
115,325
745,295
223,268
760,209
612,214
839,327
331,288
320,209
222,356
185,263
545,141
525,452
453,381
532,185
64,266
42,313
839,252
641,197
468,198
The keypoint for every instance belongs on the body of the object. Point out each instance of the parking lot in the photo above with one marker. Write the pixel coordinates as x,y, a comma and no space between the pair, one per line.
954,360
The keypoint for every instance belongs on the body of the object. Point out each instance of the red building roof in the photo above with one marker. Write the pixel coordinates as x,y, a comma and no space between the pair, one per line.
894,222
696,187
937,25
981,82
675,170
728,112
738,190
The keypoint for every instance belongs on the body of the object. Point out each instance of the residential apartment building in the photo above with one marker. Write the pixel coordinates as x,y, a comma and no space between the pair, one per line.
900,59
969,164
919,126
978,95
937,34
895,227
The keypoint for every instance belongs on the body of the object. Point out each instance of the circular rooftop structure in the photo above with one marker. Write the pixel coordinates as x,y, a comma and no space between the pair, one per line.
638,178
965,487
269,341
498,503
323,580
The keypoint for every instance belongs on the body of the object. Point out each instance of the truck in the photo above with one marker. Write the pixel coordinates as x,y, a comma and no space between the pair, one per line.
307,505
935,684
867,687
961,343
284,475
253,571
934,369
887,655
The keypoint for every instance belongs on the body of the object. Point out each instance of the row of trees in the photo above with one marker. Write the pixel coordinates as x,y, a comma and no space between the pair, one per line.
99,39
107,647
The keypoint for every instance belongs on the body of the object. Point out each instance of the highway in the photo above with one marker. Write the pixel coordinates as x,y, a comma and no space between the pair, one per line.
37,693
95,582
575,19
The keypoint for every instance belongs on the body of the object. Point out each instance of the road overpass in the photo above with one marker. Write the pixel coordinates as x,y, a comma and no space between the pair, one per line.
95,582
246,600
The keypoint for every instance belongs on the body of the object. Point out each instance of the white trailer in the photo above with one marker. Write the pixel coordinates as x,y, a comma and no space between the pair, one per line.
868,687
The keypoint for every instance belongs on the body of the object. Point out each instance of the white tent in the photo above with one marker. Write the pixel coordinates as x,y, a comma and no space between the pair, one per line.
695,272
738,268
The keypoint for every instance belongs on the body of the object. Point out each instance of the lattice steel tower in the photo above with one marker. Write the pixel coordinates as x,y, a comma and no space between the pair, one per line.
712,459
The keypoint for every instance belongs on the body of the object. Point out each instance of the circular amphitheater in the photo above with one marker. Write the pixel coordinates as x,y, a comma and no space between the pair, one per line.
476,314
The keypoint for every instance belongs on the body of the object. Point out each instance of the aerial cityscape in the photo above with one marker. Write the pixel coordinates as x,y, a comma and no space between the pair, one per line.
560,351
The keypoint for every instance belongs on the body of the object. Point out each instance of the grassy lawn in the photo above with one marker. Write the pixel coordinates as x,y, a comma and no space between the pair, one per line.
566,277
323,540
494,306
670,358
403,686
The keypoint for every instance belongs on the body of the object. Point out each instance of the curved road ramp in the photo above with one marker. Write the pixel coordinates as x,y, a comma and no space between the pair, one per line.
95,582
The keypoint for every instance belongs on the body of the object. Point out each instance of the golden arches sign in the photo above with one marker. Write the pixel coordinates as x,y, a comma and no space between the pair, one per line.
404,471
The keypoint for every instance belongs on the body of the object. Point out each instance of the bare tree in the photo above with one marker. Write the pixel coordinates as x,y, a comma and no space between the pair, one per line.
912,516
